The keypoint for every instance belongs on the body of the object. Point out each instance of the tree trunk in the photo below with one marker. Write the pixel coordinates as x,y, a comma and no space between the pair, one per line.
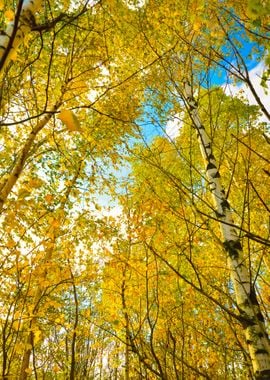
72,375
7,184
252,319
16,30
40,292
26,356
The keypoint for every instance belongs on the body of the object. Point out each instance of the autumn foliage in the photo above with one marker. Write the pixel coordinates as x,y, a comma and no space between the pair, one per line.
119,259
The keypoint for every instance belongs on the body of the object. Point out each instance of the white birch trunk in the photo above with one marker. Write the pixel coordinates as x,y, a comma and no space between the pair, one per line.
15,35
252,318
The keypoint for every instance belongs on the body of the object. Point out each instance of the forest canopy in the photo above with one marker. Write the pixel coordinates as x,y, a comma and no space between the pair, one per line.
128,251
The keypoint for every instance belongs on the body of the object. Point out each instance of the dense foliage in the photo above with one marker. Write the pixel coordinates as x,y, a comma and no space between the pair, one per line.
115,259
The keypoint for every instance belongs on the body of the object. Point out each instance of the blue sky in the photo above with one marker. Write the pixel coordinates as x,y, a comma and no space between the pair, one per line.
253,57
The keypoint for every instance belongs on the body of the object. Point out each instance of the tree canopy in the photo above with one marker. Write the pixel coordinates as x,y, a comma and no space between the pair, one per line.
125,252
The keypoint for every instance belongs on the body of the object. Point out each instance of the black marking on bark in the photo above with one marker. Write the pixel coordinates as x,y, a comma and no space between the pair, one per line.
263,375
249,322
193,104
219,215
237,245
253,298
217,175
260,317
225,204
246,303
232,247
210,156
201,126
246,322
261,351
210,165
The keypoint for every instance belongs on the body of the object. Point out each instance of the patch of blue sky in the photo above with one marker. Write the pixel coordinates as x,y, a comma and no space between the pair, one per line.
150,123
154,119
244,53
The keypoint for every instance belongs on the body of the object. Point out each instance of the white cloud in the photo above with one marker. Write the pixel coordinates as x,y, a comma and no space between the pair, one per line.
255,77
173,126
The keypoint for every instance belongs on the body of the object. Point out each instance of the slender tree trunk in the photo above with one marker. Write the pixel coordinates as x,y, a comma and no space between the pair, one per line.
16,30
127,355
40,292
252,319
26,355
72,374
127,332
30,337
4,354
7,184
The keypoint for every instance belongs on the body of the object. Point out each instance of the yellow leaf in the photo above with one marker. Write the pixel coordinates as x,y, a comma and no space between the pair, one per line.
58,320
87,313
19,348
23,193
37,336
36,183
1,5
56,223
11,244
9,15
70,120
16,325
56,368
13,55
196,26
44,283
26,39
49,198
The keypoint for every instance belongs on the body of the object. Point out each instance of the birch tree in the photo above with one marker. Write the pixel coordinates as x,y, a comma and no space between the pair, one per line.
195,51
253,321
57,116
170,214
77,80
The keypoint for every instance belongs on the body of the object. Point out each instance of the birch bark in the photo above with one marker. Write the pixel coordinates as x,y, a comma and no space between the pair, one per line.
252,319
16,30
